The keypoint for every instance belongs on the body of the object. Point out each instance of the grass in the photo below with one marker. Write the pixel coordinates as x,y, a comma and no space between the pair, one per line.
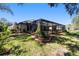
25,45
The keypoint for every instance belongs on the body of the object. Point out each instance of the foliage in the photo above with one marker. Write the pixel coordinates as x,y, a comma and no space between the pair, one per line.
38,31
71,8
4,34
25,45
5,7
30,47
75,22
4,24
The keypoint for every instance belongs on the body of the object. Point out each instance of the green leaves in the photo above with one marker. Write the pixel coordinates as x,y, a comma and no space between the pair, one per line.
75,22
71,8
4,24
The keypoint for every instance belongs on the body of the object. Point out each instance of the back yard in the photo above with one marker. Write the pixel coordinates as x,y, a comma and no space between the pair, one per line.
25,45
39,37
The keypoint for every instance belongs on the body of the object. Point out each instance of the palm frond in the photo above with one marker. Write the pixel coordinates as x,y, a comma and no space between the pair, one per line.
71,8
5,7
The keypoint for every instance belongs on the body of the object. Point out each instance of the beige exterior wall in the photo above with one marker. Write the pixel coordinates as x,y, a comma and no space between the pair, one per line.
22,27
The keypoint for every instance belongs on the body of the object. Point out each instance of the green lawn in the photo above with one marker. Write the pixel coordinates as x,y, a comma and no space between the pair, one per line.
25,45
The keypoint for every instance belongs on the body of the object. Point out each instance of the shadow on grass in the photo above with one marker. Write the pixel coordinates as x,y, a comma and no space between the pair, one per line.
72,34
60,40
73,48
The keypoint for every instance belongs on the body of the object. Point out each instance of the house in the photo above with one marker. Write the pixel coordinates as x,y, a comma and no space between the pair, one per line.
49,28
45,26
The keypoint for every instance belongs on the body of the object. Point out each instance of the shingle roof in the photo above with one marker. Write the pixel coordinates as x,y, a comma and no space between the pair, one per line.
49,21
24,22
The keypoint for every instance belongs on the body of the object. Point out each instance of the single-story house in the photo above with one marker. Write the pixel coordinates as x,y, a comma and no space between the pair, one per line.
45,26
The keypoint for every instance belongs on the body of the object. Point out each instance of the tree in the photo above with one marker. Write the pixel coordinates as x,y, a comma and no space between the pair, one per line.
5,7
75,22
71,8
4,24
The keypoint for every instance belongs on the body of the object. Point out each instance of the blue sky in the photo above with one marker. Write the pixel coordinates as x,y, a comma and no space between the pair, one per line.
36,11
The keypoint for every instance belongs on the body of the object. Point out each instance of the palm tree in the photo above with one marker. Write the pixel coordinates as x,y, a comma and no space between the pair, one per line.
71,8
5,7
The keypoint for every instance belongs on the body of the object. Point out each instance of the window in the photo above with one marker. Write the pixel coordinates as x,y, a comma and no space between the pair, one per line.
50,28
45,28
58,28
